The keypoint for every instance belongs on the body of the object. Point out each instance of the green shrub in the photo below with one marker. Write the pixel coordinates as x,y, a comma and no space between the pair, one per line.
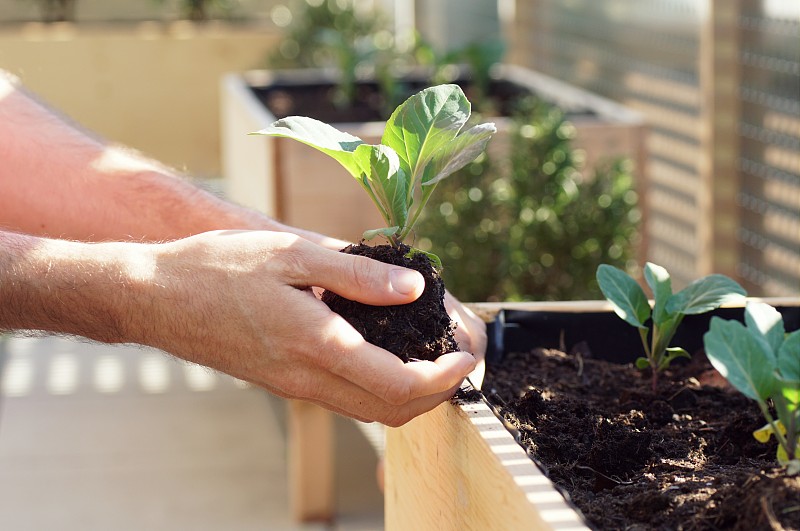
335,34
533,225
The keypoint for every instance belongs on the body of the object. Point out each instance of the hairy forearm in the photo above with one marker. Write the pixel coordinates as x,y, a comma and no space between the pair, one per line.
59,181
91,290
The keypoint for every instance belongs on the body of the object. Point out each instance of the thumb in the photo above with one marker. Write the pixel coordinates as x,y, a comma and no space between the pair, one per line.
363,279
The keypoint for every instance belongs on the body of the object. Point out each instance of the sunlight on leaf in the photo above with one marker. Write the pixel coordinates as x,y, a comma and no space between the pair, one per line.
705,294
741,357
625,295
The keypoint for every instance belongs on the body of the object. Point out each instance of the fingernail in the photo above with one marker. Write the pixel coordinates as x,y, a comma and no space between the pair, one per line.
406,281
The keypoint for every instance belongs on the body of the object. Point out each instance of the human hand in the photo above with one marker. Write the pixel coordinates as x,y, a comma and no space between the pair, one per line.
470,334
241,302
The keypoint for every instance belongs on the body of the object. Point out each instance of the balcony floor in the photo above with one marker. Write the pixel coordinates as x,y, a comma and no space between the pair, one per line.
97,437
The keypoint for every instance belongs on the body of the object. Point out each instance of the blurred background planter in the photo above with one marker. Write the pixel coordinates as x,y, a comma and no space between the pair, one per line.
303,188
138,83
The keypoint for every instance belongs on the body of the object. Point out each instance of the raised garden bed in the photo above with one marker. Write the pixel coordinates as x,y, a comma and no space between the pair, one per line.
286,180
612,461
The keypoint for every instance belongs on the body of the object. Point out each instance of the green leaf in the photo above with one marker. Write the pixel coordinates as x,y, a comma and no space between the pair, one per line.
671,354
435,260
321,136
763,319
665,331
704,295
387,232
766,431
789,357
424,124
660,283
742,357
386,181
625,295
459,152
642,363
789,369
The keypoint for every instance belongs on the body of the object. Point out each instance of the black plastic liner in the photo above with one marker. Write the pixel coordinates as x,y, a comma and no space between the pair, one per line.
605,335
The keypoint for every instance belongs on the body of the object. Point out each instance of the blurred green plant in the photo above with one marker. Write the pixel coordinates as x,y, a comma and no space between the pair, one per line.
201,10
358,42
56,10
331,33
533,225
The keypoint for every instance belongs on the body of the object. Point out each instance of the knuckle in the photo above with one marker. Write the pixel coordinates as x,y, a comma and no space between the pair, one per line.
290,259
305,386
398,392
363,272
327,358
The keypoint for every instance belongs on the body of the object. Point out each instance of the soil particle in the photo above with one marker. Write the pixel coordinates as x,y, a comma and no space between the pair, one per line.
683,458
418,330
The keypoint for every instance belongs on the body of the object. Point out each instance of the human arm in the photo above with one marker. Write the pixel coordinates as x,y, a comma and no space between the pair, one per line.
244,308
58,181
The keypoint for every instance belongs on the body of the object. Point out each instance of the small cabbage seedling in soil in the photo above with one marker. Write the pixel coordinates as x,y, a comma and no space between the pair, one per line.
631,304
763,362
424,142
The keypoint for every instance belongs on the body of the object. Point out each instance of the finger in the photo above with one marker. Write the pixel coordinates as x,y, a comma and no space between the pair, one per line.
360,278
470,330
345,398
461,333
398,416
381,373
371,408
478,373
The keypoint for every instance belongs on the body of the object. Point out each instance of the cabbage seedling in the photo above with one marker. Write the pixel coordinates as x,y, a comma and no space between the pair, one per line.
763,362
631,304
422,144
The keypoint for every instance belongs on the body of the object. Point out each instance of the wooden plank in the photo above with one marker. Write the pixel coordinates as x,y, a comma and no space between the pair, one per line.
719,249
310,452
457,467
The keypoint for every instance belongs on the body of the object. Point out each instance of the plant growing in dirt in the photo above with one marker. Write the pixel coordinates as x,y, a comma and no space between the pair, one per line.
631,304
425,141
422,144
763,363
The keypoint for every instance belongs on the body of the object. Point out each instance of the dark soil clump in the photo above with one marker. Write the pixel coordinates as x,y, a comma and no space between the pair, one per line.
419,330
682,458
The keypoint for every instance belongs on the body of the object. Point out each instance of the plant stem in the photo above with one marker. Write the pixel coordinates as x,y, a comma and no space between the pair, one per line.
789,419
426,194
775,429
649,354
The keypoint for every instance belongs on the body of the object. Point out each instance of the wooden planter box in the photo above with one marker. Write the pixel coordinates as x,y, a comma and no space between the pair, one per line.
306,189
151,86
458,467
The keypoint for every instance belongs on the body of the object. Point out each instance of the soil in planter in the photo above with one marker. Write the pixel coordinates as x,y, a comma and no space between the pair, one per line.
682,458
316,100
418,330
